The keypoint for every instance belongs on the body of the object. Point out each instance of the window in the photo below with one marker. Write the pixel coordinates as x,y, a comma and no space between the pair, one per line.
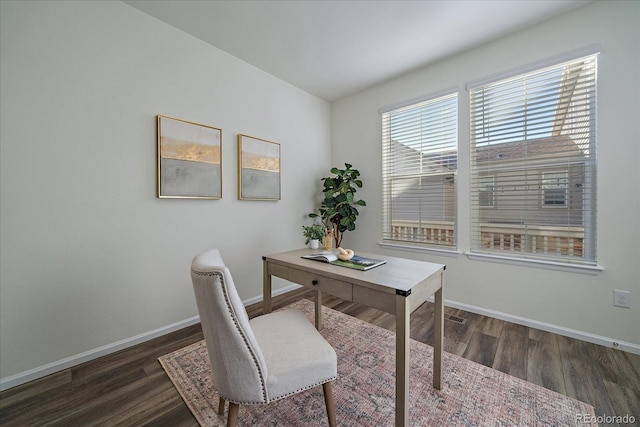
533,151
486,193
420,160
554,189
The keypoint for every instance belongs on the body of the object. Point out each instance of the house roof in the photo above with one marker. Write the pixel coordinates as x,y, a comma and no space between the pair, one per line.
532,149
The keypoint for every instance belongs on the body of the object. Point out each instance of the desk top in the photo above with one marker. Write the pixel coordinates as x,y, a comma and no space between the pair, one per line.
398,274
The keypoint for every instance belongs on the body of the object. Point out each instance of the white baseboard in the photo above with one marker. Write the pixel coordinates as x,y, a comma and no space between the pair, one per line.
51,368
275,293
560,330
68,362
71,361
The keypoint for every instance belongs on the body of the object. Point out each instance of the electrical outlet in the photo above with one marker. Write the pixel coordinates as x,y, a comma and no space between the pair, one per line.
622,298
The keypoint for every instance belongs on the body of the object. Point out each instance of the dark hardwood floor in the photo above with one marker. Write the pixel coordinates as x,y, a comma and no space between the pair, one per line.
131,388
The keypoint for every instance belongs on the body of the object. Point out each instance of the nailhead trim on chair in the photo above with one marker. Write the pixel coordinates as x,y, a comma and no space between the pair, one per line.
302,389
244,338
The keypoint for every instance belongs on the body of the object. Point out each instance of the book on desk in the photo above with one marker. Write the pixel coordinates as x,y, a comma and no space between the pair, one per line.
357,262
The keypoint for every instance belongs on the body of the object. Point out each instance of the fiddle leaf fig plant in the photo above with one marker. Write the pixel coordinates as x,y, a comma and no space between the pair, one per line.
338,210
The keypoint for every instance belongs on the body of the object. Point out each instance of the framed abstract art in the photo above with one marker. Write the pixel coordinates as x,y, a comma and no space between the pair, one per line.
258,169
189,159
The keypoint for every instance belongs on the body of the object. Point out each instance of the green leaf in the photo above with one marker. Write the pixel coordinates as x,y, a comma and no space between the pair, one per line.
361,203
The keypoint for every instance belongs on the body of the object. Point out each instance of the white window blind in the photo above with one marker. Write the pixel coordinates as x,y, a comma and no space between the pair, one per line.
533,137
420,160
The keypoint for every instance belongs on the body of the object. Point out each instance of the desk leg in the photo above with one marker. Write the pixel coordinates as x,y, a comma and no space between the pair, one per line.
438,336
266,288
319,325
403,327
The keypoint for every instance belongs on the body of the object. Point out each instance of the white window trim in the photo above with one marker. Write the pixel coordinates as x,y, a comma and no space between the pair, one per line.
548,62
537,263
419,99
416,247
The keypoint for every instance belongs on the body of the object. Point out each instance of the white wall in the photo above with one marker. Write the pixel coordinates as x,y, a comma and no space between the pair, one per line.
566,300
89,255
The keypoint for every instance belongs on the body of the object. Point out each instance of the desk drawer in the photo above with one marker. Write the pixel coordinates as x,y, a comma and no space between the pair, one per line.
376,299
334,287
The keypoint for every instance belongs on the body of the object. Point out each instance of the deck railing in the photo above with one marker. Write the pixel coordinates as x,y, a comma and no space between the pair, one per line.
550,240
433,232
568,241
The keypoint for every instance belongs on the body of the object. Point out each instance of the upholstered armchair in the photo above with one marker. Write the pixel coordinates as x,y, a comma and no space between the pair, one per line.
260,360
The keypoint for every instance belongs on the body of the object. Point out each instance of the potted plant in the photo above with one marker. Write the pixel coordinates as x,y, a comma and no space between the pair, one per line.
313,233
338,210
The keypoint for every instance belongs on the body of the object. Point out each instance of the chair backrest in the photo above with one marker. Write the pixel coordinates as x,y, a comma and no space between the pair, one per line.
239,368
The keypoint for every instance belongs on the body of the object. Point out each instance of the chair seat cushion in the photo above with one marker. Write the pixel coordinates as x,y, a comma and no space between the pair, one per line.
297,356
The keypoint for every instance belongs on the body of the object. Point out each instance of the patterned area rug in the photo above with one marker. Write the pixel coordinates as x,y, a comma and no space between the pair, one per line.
472,394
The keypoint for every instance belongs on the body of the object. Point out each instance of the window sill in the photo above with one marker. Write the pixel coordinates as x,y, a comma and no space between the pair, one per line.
552,265
416,248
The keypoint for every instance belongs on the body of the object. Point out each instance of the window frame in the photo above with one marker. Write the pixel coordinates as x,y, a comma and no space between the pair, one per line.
564,189
491,191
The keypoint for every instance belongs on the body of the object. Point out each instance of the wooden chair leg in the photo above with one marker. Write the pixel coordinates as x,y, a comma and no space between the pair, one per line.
328,400
221,406
232,420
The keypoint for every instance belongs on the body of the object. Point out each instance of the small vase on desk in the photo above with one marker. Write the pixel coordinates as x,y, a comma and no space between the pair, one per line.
328,239
314,243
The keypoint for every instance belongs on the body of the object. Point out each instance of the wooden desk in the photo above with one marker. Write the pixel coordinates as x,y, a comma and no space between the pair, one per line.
397,287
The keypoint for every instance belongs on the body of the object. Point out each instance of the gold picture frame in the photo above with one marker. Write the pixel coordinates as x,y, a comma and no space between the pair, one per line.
258,169
189,160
